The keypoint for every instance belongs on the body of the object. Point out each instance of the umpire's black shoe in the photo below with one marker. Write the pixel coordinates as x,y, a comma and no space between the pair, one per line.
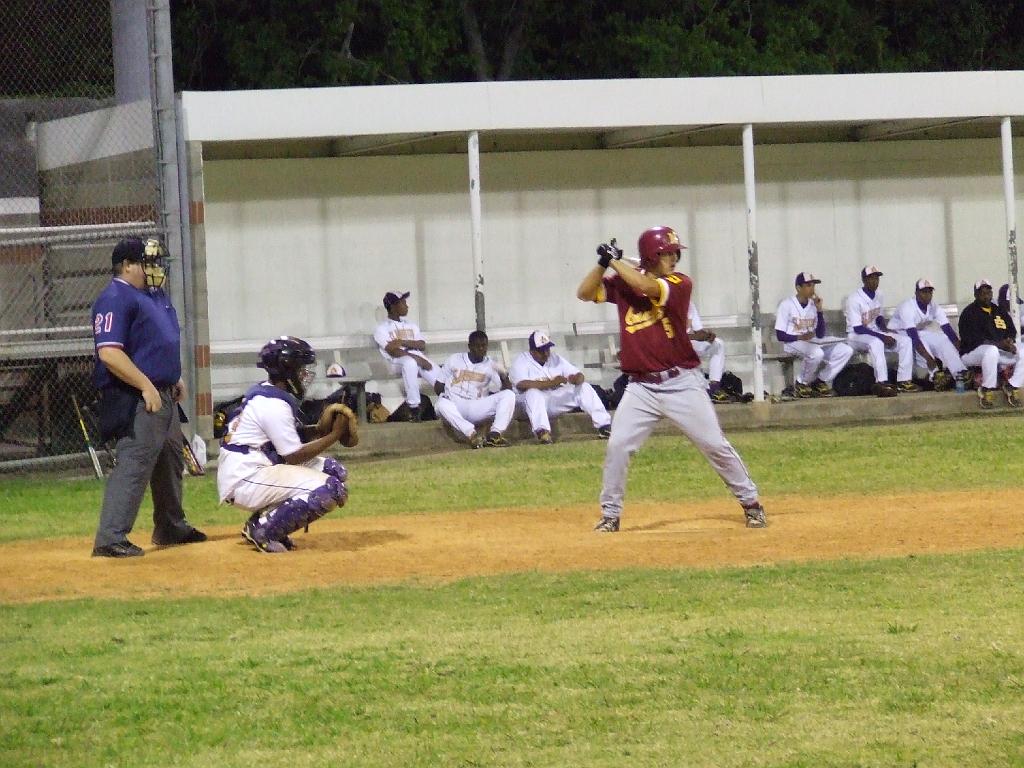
118,549
193,536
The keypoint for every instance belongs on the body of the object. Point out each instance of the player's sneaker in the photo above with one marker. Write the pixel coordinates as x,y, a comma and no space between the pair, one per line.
495,440
803,390
604,432
544,437
1012,399
258,538
986,398
607,525
907,386
755,516
942,381
720,396
881,389
821,389
476,440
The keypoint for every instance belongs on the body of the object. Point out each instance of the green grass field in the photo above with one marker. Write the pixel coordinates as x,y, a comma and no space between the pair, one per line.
915,661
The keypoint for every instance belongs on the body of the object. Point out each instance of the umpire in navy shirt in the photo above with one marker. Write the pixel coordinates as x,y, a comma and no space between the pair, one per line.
138,373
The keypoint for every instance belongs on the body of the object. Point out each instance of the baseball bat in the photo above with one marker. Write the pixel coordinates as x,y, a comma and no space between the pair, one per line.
191,462
88,442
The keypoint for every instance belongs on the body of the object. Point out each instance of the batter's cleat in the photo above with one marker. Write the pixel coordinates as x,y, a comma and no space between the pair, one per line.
1012,398
755,516
118,549
607,525
881,389
476,440
720,396
907,386
803,390
258,539
495,440
986,398
821,389
604,432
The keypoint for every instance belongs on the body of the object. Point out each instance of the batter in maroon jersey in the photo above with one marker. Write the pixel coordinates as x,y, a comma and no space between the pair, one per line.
664,371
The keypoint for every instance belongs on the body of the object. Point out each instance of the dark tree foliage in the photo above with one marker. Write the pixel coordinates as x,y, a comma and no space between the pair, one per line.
227,44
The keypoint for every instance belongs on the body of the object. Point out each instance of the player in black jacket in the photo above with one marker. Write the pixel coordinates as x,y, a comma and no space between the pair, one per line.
988,338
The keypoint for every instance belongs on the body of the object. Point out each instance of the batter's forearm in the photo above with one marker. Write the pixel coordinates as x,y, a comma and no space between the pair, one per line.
587,290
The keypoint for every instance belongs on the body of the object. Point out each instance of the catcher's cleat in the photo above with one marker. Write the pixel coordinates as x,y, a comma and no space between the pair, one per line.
907,386
882,389
607,525
258,538
476,440
986,398
803,390
720,396
1012,399
821,389
604,432
287,543
942,381
755,515
495,440
544,437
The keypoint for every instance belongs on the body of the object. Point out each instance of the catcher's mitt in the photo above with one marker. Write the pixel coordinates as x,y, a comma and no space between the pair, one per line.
349,431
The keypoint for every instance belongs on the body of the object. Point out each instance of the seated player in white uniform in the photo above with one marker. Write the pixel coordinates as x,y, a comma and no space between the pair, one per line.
471,393
866,332
265,467
800,326
547,385
403,349
934,339
709,349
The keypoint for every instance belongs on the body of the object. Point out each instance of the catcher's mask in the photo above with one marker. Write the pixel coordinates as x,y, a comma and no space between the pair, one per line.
288,359
656,241
154,263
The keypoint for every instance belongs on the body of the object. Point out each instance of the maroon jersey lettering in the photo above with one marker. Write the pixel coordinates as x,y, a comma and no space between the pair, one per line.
653,335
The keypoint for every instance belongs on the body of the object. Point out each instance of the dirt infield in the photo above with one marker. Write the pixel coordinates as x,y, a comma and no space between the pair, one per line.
431,549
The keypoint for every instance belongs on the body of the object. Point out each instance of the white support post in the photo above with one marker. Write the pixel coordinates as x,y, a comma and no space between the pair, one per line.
475,230
755,280
1010,201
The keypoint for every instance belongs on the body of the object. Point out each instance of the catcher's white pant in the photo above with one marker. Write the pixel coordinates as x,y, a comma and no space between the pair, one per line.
713,353
939,346
271,486
685,401
464,414
875,347
411,373
991,359
540,405
829,359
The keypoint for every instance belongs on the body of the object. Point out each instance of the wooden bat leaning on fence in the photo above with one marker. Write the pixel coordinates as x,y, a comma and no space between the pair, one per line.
88,441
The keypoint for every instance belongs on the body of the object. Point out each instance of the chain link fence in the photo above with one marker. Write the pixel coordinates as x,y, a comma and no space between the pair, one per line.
78,170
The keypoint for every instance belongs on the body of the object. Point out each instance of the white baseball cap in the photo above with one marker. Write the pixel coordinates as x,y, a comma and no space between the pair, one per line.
983,283
923,285
870,270
336,371
540,340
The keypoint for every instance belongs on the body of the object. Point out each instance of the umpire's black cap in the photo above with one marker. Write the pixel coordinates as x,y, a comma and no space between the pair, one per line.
129,249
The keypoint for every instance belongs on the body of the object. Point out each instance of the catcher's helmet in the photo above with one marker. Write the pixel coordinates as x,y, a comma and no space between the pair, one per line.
656,241
285,359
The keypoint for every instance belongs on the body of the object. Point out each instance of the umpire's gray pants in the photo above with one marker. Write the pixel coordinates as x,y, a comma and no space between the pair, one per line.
152,456
685,401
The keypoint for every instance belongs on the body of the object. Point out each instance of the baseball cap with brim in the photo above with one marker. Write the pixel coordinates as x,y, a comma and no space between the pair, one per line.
539,341
983,283
803,278
393,297
1004,292
870,270
923,285
129,249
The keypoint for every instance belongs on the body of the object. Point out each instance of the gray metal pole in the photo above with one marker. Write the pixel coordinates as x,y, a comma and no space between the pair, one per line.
131,50
1010,201
752,267
475,230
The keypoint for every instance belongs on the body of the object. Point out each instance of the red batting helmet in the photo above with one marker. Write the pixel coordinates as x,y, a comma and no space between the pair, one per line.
656,241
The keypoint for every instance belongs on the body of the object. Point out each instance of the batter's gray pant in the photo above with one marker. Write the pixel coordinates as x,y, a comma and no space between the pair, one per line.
685,401
152,456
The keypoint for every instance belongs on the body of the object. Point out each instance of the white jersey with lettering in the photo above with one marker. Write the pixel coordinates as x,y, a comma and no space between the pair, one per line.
468,380
861,309
794,318
389,330
525,368
910,315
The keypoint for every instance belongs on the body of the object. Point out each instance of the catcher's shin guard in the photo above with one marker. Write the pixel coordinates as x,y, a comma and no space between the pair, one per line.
293,514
